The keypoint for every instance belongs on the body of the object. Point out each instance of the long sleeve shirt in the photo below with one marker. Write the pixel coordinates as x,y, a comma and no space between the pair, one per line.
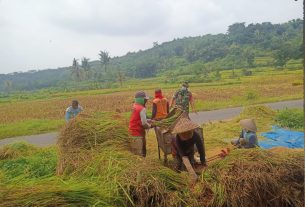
250,137
186,147
144,120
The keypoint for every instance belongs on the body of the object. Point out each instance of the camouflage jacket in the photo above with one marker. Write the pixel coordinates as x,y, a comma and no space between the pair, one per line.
183,98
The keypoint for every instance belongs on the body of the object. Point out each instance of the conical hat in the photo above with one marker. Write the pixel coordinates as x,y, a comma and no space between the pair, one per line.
183,125
248,124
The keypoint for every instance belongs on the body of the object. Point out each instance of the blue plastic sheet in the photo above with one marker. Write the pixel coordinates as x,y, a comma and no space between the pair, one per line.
280,137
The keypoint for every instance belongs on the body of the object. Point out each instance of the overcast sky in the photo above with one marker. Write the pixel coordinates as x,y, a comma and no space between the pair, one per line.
40,34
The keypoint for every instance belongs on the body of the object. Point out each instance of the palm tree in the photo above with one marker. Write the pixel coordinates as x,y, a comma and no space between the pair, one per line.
76,70
104,58
8,85
86,66
121,78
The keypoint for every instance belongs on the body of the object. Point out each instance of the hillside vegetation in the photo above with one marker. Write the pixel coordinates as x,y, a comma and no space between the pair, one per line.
197,59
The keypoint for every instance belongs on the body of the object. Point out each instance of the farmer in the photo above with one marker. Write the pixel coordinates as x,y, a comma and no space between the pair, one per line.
138,123
183,98
73,110
160,106
247,138
184,141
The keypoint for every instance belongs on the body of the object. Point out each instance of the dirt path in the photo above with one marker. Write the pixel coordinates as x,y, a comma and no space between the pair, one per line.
39,139
223,114
200,118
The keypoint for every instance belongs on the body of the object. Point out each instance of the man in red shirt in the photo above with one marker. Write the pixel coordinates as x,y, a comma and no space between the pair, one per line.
138,123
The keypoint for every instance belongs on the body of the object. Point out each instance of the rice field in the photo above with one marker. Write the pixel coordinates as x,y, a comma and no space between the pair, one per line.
98,170
264,86
265,89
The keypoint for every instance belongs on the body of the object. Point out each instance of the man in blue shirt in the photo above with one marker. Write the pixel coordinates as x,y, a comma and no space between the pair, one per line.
73,110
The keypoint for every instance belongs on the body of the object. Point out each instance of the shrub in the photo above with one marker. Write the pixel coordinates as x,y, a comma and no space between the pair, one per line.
251,95
246,72
291,118
297,83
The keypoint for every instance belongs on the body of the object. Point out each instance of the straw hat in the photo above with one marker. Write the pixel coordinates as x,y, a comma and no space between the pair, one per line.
248,124
183,125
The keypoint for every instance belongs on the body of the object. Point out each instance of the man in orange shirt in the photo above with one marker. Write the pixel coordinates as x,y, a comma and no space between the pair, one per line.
160,106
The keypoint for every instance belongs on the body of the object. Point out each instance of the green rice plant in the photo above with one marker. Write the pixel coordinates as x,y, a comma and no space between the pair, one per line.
37,165
291,118
251,95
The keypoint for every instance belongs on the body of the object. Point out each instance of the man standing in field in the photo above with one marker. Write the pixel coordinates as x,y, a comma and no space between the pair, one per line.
183,98
138,123
160,106
73,110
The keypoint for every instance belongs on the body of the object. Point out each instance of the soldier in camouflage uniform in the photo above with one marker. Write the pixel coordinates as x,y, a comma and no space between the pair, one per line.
183,99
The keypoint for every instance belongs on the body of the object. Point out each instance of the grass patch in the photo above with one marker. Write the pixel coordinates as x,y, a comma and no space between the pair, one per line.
29,127
291,118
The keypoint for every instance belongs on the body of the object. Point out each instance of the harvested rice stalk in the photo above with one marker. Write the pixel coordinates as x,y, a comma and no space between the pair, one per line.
16,150
81,138
89,133
52,193
148,183
139,182
170,119
96,148
256,177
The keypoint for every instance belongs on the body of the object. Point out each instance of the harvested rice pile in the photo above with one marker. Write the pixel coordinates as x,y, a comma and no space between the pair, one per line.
259,111
92,133
81,138
256,178
98,148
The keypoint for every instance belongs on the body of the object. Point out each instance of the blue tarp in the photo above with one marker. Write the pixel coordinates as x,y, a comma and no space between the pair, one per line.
280,137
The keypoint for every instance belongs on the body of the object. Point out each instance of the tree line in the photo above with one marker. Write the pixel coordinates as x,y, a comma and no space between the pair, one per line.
238,48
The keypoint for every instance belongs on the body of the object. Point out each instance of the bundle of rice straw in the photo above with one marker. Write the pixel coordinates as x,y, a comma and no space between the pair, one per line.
256,177
82,137
170,120
98,148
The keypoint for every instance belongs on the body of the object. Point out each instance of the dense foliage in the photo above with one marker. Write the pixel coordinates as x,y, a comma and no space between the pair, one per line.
291,118
202,57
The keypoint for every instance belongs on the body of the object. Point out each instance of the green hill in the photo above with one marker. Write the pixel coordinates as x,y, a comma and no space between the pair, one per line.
201,58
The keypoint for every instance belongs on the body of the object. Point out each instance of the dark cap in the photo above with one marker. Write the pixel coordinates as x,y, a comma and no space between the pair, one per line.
75,101
185,84
158,90
141,94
